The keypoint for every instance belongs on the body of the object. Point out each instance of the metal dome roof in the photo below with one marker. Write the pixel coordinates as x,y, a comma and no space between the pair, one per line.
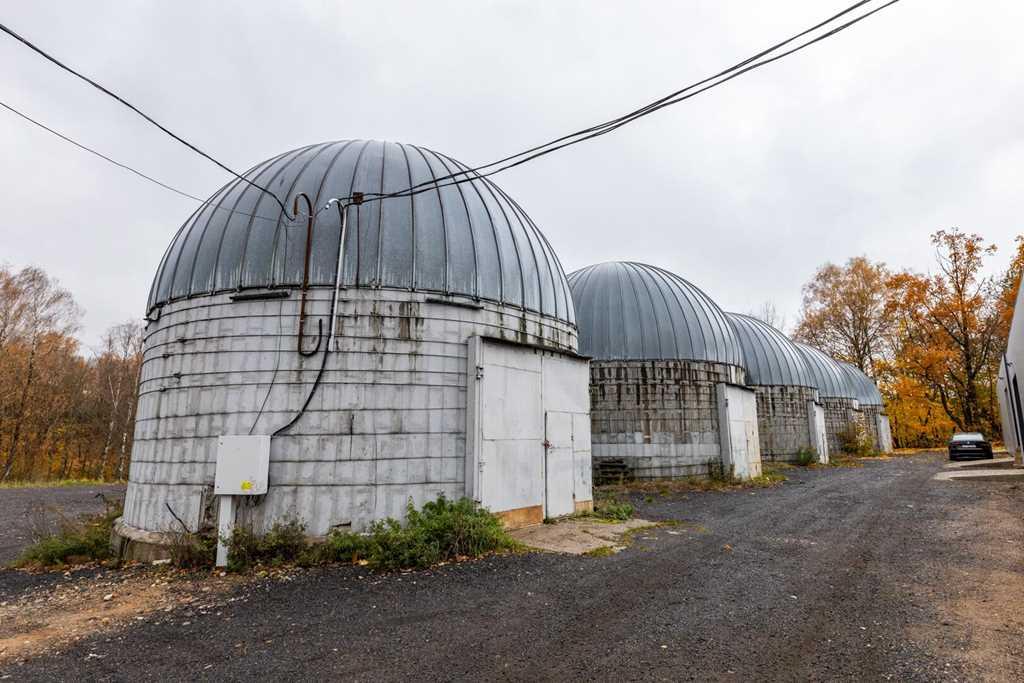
832,381
632,311
867,391
769,357
469,239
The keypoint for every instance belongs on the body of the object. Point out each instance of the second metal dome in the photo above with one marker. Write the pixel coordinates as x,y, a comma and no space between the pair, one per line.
769,357
633,311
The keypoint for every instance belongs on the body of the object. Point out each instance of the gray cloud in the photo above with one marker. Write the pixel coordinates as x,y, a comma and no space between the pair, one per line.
905,124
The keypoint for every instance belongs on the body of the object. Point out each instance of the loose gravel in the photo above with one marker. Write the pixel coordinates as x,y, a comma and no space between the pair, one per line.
872,573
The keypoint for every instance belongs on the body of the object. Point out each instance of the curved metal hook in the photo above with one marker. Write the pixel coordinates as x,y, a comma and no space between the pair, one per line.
310,216
319,339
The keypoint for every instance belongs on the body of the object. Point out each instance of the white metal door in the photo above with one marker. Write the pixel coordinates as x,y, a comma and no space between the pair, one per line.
884,433
741,449
818,435
559,478
511,467
527,431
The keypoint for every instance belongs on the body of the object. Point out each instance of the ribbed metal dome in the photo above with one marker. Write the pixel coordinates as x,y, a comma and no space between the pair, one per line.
867,391
832,381
632,311
469,239
769,357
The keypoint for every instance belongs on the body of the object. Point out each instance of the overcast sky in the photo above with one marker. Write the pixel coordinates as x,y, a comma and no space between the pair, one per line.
907,123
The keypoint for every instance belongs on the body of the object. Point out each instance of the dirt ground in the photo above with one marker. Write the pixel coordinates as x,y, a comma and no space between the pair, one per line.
870,573
22,510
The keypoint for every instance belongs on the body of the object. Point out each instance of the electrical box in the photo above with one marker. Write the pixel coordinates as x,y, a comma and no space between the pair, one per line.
243,465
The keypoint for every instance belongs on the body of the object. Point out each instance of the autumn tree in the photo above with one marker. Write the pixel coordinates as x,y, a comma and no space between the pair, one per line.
844,311
62,413
38,316
949,329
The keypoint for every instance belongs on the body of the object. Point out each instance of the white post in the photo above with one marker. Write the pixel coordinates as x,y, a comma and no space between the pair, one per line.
225,525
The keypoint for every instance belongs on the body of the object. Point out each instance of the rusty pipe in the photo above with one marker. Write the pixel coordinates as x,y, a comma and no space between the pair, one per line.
310,217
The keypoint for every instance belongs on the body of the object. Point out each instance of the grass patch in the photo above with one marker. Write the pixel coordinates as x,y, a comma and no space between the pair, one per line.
843,460
664,487
441,531
53,483
74,542
611,509
603,551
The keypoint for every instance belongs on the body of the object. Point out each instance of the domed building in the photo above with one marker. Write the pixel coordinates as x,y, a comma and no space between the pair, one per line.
667,390
836,393
869,400
790,421
427,349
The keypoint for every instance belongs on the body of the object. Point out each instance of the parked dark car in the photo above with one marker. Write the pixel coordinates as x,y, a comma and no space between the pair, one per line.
969,446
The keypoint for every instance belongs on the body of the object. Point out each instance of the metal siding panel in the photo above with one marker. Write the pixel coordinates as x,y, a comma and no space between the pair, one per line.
396,221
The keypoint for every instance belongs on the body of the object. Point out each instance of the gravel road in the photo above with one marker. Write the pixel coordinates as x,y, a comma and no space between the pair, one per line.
869,573
22,510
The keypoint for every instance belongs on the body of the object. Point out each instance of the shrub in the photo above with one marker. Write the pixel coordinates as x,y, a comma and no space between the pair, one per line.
443,530
75,541
339,547
284,543
855,441
193,551
806,457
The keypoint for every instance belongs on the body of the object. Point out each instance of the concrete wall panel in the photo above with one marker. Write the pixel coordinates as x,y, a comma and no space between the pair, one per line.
387,423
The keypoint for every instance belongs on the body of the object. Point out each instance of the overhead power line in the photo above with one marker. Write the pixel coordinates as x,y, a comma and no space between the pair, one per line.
649,108
130,169
138,111
603,129
90,150
537,151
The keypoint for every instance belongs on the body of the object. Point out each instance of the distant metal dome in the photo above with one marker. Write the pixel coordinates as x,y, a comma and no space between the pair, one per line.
469,239
867,390
632,311
832,381
770,358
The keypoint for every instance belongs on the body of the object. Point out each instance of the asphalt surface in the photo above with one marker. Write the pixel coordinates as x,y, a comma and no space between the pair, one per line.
25,511
874,573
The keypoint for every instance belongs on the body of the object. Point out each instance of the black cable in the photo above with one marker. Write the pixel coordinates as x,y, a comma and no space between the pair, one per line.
604,129
138,111
653,106
99,154
126,167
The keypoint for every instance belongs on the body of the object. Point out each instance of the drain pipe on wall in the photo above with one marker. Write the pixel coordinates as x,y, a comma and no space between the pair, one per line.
243,462
357,198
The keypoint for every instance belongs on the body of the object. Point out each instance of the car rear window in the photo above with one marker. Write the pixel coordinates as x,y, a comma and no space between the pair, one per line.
973,436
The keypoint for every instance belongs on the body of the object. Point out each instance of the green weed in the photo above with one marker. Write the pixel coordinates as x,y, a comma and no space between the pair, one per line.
75,541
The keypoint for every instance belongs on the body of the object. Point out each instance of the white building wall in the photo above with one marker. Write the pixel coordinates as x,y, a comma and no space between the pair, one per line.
388,422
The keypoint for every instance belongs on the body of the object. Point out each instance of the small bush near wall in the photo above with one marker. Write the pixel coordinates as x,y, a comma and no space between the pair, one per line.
74,542
806,457
441,531
855,441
